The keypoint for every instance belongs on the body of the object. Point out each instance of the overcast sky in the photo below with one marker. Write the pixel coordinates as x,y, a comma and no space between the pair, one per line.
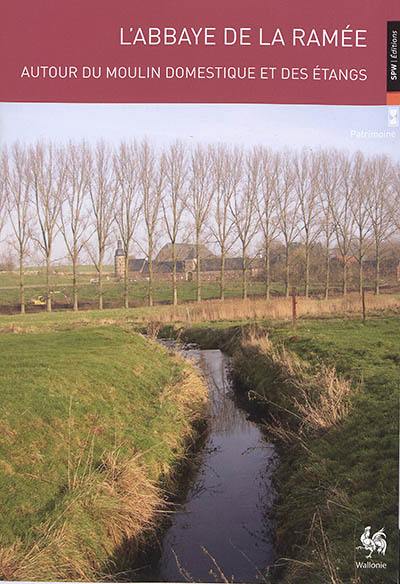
274,125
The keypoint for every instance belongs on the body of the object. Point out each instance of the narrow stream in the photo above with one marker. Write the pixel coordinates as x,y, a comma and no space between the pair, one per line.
222,528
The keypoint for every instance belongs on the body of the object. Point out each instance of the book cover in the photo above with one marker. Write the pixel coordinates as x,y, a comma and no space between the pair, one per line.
199,291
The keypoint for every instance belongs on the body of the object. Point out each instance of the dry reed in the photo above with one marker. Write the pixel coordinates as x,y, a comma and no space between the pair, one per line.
274,309
315,400
106,507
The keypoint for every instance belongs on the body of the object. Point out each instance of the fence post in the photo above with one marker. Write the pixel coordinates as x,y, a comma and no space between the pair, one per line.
294,307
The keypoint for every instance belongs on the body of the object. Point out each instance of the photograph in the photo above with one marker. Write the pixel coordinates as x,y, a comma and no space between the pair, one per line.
199,342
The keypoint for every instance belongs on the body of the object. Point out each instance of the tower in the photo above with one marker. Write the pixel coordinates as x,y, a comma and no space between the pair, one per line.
119,261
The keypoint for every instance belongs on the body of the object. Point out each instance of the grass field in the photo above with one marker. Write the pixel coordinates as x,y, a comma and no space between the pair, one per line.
61,284
113,290
91,420
210,313
79,388
343,477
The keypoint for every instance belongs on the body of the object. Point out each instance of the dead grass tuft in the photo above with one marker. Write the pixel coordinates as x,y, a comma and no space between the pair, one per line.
190,395
104,507
322,555
324,402
14,328
315,400
153,328
107,507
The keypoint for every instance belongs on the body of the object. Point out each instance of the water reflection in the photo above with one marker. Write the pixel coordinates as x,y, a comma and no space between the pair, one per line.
222,529
226,416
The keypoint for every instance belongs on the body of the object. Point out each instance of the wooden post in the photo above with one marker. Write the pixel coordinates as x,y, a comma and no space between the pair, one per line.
363,305
294,307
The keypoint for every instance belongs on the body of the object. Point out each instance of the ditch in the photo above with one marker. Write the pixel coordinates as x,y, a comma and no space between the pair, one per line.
221,526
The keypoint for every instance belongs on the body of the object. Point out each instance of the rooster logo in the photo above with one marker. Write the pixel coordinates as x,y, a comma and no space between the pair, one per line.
376,543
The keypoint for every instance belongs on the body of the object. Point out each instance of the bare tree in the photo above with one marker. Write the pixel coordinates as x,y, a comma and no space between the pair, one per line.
287,207
102,194
3,189
128,203
329,184
48,172
17,185
226,176
174,202
244,209
394,198
266,209
313,202
306,169
199,201
151,184
74,218
343,220
359,209
380,180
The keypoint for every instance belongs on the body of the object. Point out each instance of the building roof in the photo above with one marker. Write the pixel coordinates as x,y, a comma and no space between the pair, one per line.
184,251
212,264
167,267
142,266
138,265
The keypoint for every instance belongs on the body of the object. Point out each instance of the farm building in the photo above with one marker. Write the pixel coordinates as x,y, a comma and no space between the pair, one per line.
186,264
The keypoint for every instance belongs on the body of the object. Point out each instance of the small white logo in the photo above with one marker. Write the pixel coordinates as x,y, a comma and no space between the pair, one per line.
393,117
376,543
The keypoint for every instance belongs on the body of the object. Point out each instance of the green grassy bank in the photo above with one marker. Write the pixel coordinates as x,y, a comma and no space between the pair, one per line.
339,455
92,420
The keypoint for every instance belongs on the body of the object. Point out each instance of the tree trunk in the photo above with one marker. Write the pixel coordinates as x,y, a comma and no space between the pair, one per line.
126,281
21,284
222,276
244,276
150,299
174,286
74,284
48,288
327,271
267,270
287,272
377,269
344,277
150,286
361,275
307,272
198,269
360,262
101,285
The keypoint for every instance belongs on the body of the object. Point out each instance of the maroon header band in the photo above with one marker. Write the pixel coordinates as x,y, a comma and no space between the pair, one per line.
215,51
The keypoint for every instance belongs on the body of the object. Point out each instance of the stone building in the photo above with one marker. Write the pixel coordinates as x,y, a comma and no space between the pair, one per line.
186,264
119,261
